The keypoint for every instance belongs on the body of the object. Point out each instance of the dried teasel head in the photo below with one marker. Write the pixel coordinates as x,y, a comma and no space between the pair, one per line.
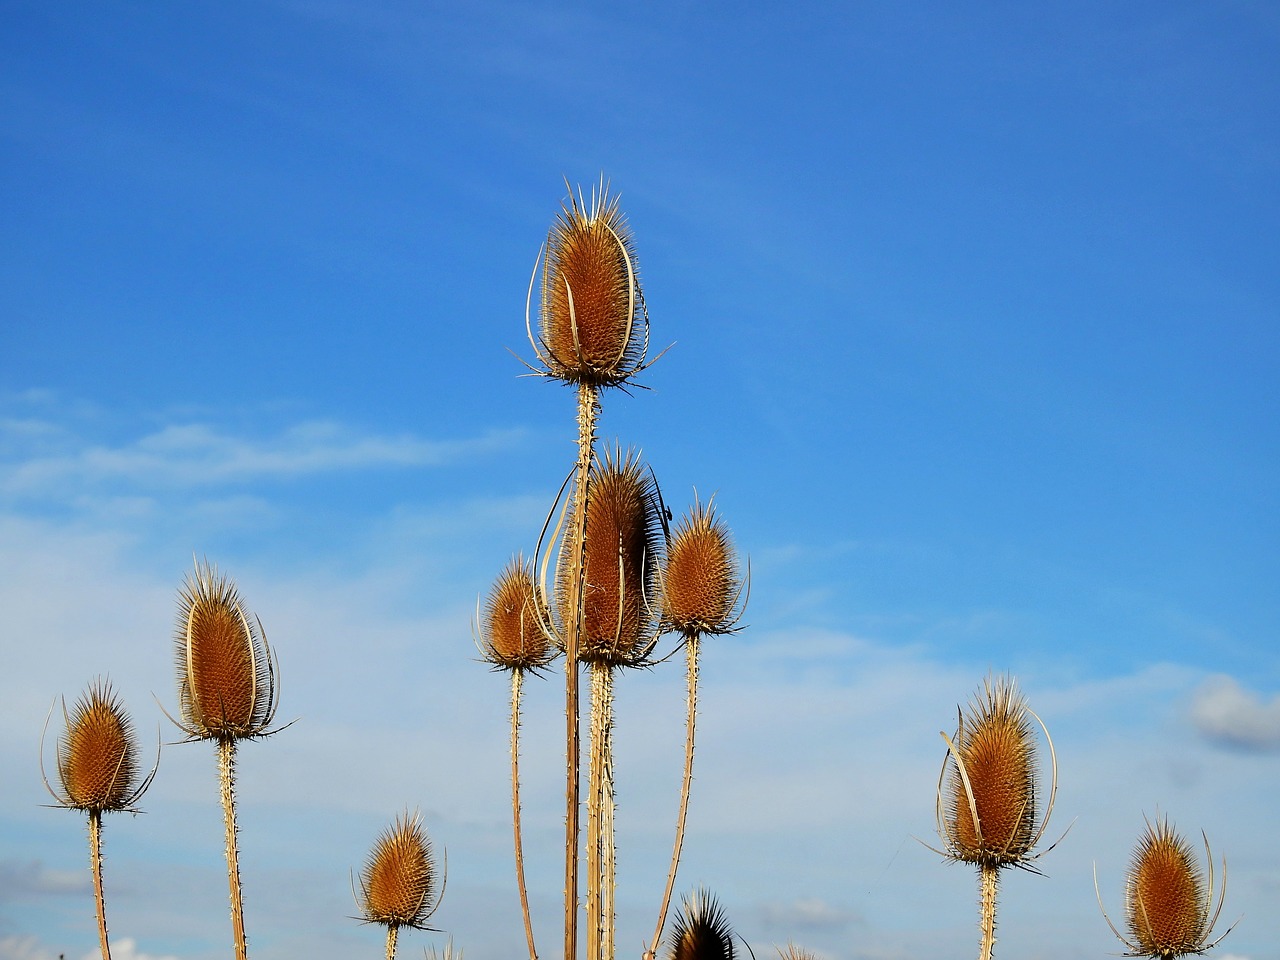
792,952
593,326
987,808
400,885
513,622
98,754
701,581
620,562
226,675
701,931
1168,901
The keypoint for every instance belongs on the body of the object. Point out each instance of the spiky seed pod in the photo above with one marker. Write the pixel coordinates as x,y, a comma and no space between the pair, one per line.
399,883
98,753
792,952
226,677
701,931
512,634
701,579
593,322
623,547
1167,901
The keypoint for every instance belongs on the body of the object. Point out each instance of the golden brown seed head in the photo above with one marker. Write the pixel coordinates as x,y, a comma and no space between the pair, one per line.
226,679
98,753
701,931
593,320
792,952
701,582
399,883
511,629
1167,902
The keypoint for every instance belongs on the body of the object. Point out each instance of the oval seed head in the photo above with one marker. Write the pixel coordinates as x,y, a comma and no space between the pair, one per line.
592,323
1167,900
226,680
701,930
701,581
511,629
995,743
98,753
398,886
620,561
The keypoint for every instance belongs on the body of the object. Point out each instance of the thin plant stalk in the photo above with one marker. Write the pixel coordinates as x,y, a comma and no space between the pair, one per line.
393,935
601,864
988,880
226,778
517,681
95,864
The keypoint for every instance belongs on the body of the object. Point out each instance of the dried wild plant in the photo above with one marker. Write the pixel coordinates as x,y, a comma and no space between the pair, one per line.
98,771
701,931
400,885
1168,901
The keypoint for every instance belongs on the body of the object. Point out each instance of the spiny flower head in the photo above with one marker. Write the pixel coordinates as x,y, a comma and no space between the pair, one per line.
512,634
98,754
594,328
226,676
701,579
399,886
701,930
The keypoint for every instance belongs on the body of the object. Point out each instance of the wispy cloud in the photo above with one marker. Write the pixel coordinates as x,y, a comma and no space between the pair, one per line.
1228,714
30,948
31,878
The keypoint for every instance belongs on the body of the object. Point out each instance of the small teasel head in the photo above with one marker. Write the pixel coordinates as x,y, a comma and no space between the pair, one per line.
98,754
514,621
792,952
702,584
400,885
226,674
701,931
988,806
593,325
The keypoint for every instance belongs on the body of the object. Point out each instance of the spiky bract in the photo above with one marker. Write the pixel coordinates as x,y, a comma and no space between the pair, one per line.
792,952
512,634
400,885
701,931
226,677
701,579
98,753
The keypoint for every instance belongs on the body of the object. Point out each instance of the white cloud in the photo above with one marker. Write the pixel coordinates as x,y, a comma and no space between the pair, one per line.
126,948
1228,714
32,878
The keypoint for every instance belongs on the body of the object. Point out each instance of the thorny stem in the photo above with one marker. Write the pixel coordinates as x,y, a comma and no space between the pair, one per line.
226,776
393,934
95,864
517,678
692,644
601,867
989,874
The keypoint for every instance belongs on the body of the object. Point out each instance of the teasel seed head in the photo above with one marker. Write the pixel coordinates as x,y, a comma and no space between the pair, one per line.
701,931
792,952
593,325
513,623
400,885
988,813
98,754
701,581
226,674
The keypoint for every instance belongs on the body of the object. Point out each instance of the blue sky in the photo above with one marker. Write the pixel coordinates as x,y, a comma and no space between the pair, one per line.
974,323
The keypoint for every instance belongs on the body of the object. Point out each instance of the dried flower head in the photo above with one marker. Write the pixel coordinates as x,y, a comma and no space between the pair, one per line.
701,931
701,580
226,674
594,327
988,814
1168,902
400,885
512,624
98,754
792,952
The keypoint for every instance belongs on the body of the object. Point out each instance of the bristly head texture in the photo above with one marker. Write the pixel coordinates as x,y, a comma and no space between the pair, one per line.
226,676
98,754
792,952
621,561
990,810
701,931
702,582
1167,901
512,634
400,885
594,328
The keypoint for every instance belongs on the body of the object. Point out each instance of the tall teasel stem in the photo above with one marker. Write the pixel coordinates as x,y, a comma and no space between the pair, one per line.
988,881
517,680
95,865
226,780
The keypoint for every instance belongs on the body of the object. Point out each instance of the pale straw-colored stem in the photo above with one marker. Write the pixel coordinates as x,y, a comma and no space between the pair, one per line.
988,877
393,934
517,679
692,644
601,867
226,777
95,864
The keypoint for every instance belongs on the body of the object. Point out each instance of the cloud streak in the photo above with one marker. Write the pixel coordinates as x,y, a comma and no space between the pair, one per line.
1227,714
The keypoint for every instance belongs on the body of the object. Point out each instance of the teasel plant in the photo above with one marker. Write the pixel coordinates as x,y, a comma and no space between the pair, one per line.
512,636
701,930
227,692
1169,903
97,764
989,793
401,884
703,593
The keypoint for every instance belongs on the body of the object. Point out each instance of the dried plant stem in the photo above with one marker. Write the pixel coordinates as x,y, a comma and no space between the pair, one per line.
393,934
95,864
988,877
226,777
692,645
517,680
601,866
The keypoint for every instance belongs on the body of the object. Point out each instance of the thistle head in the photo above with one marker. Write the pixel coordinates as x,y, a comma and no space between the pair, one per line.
701,580
512,624
400,885
98,754
701,931
593,326
226,676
